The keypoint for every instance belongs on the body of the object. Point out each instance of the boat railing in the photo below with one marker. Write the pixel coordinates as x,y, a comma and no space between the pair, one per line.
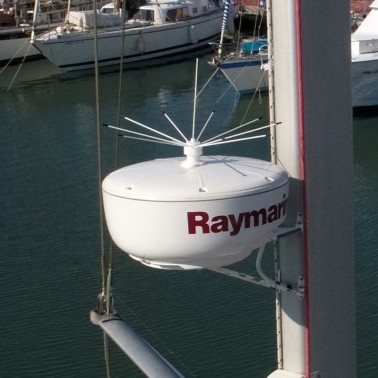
263,53
234,49
55,13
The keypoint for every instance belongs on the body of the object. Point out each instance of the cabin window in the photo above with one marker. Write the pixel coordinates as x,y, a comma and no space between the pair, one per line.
177,14
204,9
107,10
144,15
195,10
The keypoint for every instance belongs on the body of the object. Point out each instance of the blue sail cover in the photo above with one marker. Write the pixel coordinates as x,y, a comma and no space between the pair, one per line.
253,46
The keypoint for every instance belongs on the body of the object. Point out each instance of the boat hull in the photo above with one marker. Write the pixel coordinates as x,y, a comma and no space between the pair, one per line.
141,44
15,46
365,80
245,75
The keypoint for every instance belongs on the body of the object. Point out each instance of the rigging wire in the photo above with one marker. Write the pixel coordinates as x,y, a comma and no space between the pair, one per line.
208,81
19,68
239,29
103,300
99,161
120,87
109,281
14,55
257,91
157,340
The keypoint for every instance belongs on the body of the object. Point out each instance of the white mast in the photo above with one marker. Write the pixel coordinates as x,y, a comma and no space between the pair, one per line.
314,144
35,18
68,12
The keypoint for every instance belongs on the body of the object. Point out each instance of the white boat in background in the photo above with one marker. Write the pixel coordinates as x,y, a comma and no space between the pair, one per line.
365,60
158,30
246,67
16,25
14,45
15,29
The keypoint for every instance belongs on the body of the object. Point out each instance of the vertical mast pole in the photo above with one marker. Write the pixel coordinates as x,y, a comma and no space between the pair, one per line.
35,18
273,158
312,99
68,12
272,115
226,14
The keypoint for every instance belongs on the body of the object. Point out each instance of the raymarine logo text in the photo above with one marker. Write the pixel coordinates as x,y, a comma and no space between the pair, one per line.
201,222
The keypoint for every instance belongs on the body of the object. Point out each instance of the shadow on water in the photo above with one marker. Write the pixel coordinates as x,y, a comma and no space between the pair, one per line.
365,111
40,72
43,72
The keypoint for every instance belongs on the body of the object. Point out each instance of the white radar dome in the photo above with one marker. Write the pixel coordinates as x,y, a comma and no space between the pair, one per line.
210,212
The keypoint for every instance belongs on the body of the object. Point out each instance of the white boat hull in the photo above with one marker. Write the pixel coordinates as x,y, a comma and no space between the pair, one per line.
245,75
365,61
18,48
365,81
75,51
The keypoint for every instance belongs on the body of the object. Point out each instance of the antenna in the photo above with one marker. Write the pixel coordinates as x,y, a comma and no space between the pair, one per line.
195,100
192,147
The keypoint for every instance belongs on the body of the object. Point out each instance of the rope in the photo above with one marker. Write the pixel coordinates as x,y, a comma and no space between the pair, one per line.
102,296
257,91
18,70
11,59
109,282
99,154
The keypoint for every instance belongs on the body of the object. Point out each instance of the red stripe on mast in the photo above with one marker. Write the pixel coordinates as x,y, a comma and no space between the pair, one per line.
304,186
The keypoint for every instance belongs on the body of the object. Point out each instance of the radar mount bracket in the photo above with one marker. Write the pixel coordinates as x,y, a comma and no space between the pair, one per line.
265,281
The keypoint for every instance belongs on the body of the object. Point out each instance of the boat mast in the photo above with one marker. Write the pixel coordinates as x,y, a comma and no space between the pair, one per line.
68,12
35,18
312,99
226,14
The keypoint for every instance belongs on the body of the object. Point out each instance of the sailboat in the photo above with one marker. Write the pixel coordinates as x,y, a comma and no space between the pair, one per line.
17,24
245,62
246,68
159,29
